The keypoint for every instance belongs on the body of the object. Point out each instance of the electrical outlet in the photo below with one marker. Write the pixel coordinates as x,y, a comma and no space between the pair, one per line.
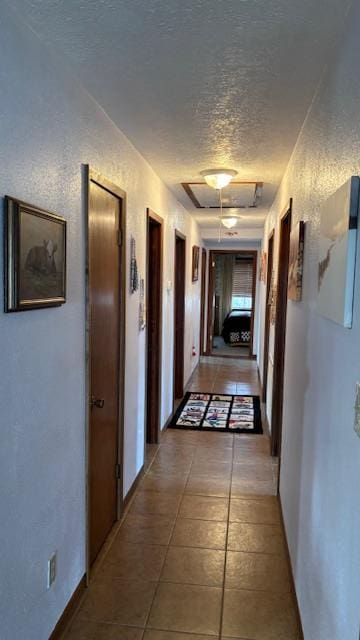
357,410
51,570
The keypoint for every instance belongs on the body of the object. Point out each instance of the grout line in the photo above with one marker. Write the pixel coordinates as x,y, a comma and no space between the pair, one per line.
226,548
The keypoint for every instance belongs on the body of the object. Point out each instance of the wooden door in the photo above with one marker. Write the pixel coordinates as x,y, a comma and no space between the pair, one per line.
154,326
280,334
179,315
202,302
105,356
270,262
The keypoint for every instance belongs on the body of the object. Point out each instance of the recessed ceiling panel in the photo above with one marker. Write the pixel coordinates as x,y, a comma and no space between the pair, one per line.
237,195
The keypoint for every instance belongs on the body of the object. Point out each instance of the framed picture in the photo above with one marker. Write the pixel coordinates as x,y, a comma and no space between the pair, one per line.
337,253
263,266
296,262
35,257
195,263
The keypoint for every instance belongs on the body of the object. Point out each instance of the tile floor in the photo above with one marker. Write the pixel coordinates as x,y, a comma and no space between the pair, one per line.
201,553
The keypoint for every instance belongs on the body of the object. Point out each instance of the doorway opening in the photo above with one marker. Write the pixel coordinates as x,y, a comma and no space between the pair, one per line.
269,275
280,334
179,314
202,349
105,349
231,303
154,326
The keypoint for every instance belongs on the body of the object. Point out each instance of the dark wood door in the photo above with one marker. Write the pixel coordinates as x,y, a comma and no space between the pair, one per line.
270,263
280,334
154,326
104,315
179,315
202,302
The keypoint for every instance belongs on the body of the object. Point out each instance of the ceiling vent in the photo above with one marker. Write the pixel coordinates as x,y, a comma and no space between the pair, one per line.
237,195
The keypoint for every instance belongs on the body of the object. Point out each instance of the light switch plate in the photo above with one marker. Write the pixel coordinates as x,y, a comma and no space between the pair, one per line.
357,410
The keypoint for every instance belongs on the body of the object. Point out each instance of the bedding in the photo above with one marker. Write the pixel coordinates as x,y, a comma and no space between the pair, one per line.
237,327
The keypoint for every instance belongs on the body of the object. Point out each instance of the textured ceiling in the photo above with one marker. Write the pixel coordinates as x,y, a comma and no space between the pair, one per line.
198,83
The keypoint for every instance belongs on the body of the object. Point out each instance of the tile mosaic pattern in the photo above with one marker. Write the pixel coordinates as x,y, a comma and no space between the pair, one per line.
218,411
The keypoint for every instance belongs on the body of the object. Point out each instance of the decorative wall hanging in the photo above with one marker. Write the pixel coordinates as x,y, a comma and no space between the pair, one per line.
337,253
272,298
296,262
134,276
35,257
263,265
142,311
195,263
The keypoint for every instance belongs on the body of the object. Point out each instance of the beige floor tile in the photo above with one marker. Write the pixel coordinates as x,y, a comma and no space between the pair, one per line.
204,508
199,533
240,488
257,571
254,511
194,566
259,615
147,529
112,600
252,472
212,454
203,486
85,630
153,634
188,608
154,503
256,538
213,469
134,561
163,483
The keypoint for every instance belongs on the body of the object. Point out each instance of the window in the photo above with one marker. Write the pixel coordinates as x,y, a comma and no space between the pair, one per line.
242,284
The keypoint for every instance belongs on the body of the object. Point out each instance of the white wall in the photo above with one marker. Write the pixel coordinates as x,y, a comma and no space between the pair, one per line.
320,451
49,126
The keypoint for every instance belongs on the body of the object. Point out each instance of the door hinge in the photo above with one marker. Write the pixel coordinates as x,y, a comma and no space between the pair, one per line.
119,237
118,472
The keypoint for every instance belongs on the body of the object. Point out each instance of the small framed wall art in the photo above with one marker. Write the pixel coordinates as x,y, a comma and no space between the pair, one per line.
195,263
296,262
35,257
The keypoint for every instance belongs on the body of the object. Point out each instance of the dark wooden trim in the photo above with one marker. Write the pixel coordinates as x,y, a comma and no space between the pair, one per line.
202,301
179,327
152,216
288,559
210,313
130,494
280,332
187,188
89,175
69,611
270,265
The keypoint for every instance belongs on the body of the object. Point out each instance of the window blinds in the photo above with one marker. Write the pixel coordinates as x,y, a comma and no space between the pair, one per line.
243,278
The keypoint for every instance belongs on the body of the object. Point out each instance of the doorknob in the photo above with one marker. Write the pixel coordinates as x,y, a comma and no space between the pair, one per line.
97,402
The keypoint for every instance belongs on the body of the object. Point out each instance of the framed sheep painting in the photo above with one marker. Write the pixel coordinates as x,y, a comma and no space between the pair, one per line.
35,257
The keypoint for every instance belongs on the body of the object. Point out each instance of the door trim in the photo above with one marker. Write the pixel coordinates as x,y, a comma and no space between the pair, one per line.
151,215
271,239
202,349
211,285
280,342
182,237
89,175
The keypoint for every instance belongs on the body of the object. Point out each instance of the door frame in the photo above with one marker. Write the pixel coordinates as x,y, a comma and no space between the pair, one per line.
89,175
280,334
152,216
270,267
202,349
181,236
211,288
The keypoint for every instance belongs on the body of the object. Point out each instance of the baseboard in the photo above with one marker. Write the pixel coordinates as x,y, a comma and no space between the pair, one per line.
69,611
132,489
288,557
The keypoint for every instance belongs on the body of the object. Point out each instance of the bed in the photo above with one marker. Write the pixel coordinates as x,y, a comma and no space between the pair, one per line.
237,328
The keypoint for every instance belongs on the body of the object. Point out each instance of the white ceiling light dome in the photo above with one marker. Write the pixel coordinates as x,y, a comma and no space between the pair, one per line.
229,221
218,178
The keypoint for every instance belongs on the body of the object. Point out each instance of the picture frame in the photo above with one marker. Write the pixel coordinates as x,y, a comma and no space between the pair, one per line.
35,257
195,263
296,262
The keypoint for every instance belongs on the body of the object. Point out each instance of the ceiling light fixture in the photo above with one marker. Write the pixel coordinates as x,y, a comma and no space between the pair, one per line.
218,178
229,221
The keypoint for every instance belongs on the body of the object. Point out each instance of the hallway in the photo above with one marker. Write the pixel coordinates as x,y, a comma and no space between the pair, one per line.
201,552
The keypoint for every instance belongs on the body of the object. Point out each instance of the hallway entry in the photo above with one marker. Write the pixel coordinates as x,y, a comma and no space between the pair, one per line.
154,326
231,303
179,313
105,311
